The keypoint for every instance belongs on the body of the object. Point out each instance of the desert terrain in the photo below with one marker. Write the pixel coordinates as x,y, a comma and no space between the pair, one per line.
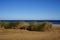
18,34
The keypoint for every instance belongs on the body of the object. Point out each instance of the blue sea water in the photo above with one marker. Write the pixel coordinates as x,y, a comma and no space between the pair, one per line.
52,21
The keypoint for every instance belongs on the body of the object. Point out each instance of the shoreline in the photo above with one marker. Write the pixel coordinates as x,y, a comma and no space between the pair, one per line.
56,25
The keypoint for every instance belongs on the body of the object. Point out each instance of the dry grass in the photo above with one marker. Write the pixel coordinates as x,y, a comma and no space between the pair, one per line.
17,34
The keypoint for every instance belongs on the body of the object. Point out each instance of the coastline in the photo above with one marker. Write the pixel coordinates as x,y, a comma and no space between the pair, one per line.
56,25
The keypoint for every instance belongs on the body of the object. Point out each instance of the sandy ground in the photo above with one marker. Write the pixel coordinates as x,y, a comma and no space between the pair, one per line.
17,34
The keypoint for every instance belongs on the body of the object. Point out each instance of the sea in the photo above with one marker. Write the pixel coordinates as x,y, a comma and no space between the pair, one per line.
52,21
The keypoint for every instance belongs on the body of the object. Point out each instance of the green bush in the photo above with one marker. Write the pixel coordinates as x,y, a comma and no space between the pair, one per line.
45,26
11,25
3,24
8,25
32,26
22,25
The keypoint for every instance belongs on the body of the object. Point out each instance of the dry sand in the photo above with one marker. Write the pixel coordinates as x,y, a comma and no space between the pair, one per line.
17,34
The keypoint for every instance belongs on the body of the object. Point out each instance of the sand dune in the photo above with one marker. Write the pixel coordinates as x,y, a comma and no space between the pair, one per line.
17,34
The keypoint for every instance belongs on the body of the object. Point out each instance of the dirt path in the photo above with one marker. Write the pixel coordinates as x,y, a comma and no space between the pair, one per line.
12,34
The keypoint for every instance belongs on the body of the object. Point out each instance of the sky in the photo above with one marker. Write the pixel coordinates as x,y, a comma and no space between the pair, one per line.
29,9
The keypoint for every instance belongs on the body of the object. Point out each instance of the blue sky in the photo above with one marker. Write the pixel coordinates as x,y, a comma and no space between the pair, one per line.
29,9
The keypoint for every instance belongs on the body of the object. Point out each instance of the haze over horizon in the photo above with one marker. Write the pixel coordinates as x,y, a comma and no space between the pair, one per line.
29,9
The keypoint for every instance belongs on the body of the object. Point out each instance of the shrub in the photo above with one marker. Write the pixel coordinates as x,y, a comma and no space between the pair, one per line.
22,25
11,25
3,24
32,26
40,27
45,26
